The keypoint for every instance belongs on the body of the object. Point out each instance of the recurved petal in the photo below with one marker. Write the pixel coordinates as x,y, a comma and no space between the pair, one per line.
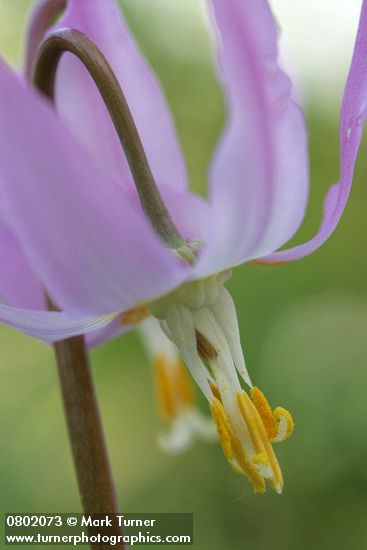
79,103
352,119
259,176
50,326
92,248
19,286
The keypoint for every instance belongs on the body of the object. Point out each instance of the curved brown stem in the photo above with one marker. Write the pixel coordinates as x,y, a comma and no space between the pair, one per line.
41,19
75,42
95,482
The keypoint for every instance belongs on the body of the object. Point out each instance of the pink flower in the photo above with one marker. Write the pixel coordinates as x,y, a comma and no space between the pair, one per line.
71,222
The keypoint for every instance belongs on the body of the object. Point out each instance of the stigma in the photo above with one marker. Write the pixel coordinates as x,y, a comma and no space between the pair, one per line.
200,319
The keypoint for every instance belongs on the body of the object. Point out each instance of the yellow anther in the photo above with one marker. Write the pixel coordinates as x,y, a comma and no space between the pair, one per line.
260,459
264,410
285,424
224,428
232,447
173,386
134,316
260,438
278,423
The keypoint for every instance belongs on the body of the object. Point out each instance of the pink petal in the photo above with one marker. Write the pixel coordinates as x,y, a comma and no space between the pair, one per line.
259,177
90,245
19,286
80,104
352,118
49,326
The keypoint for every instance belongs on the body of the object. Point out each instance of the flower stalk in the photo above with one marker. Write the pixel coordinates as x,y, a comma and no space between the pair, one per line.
96,486
44,75
91,461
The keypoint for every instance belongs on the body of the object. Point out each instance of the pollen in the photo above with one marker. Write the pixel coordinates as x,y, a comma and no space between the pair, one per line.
285,424
233,449
261,460
260,440
173,386
265,411
224,428
278,423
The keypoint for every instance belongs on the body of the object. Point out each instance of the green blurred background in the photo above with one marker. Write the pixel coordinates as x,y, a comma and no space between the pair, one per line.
303,327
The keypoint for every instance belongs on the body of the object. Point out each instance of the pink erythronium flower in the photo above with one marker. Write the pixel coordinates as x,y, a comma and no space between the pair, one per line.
71,223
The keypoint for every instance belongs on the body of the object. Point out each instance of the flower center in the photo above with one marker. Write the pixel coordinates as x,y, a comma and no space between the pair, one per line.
200,318
192,294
